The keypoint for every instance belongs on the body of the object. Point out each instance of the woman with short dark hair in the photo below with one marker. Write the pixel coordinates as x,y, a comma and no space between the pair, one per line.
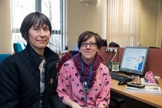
28,78
83,81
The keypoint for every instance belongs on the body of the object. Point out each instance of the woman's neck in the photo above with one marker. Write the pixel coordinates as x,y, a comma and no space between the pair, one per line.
88,61
39,51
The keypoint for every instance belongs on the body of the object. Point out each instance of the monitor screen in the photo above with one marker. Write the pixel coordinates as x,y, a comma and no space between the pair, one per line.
133,60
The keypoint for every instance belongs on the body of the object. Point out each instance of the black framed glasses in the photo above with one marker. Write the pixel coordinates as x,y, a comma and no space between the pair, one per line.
91,44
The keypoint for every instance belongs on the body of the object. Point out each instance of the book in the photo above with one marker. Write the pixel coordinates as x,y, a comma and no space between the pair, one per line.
144,82
146,89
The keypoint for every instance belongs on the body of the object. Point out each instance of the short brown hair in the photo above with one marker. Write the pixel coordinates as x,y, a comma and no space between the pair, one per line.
32,19
88,34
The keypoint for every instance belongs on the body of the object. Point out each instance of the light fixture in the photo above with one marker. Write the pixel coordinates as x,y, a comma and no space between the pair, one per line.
89,1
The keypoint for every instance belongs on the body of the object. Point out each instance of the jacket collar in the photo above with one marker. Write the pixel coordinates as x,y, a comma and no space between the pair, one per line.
36,59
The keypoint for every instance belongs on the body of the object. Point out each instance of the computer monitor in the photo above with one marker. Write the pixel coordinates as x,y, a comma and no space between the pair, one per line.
133,60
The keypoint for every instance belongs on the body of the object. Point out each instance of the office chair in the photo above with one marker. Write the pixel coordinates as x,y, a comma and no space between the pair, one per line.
104,42
3,56
18,47
113,44
76,47
116,100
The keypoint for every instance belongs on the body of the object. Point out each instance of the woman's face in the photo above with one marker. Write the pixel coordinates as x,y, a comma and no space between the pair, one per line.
88,50
39,37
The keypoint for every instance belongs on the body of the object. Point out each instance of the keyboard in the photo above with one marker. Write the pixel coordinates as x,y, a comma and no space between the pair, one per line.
118,77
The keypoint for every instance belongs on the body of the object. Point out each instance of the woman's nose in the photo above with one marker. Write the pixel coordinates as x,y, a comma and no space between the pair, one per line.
42,32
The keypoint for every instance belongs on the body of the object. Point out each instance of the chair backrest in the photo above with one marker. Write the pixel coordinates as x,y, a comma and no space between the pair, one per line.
104,42
3,56
68,55
76,47
18,47
113,44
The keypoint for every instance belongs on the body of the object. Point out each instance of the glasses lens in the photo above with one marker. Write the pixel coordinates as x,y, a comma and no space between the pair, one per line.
90,44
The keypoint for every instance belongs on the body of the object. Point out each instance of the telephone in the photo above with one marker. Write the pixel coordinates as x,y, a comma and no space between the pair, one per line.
109,65
136,85
113,66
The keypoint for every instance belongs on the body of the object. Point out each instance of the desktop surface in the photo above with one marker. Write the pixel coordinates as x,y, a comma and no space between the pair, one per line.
151,99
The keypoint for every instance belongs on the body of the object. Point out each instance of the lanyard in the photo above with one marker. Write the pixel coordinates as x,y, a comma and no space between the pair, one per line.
85,84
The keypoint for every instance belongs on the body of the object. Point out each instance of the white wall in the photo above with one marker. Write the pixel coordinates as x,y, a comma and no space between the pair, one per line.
81,17
5,27
148,22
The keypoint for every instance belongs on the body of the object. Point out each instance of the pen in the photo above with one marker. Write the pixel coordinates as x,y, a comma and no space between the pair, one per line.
156,81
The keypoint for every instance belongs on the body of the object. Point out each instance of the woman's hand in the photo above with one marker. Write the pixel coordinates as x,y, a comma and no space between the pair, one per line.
71,103
75,105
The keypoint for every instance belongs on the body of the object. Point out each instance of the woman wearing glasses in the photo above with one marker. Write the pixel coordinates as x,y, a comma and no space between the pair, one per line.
83,81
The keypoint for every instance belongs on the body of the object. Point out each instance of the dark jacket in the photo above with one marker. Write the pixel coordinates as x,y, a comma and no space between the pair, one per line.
20,80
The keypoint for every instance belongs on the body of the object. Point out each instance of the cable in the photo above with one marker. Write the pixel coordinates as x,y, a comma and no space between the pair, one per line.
114,57
106,58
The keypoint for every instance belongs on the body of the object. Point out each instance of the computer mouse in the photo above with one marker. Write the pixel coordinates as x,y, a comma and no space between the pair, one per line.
122,82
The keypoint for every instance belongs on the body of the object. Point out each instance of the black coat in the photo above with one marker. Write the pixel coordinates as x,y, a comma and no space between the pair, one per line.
20,80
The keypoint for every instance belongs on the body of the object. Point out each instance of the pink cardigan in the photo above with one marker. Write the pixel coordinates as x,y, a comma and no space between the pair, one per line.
69,86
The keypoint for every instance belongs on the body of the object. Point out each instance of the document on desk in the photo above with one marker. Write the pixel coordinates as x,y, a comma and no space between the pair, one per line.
146,89
143,81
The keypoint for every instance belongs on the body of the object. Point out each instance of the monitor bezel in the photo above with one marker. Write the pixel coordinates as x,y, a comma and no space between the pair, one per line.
131,71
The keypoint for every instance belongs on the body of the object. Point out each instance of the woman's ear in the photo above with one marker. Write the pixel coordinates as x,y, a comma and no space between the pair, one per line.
98,50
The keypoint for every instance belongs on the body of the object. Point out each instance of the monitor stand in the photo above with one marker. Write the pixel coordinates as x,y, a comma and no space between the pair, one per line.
136,78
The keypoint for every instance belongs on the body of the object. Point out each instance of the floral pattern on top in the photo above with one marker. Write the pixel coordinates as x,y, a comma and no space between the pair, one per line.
70,86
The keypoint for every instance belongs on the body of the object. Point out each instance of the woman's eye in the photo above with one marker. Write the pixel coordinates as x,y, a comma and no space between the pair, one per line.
46,29
35,28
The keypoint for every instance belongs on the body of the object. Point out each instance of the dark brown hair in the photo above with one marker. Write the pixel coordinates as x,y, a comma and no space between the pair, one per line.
32,19
88,34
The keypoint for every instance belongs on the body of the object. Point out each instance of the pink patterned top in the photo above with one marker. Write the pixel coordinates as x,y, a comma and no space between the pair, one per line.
69,86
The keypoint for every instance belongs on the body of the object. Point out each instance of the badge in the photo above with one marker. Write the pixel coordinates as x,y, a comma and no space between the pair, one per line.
85,83
51,81
86,89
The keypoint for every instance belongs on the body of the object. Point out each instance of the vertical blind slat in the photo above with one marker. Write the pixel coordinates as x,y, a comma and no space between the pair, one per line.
123,22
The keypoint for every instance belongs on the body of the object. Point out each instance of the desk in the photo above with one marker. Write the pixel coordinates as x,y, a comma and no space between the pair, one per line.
151,99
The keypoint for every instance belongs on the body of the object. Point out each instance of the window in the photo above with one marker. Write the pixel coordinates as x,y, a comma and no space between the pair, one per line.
51,8
123,22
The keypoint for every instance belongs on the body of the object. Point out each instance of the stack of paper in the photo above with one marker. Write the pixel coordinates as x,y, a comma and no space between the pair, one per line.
146,89
144,82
